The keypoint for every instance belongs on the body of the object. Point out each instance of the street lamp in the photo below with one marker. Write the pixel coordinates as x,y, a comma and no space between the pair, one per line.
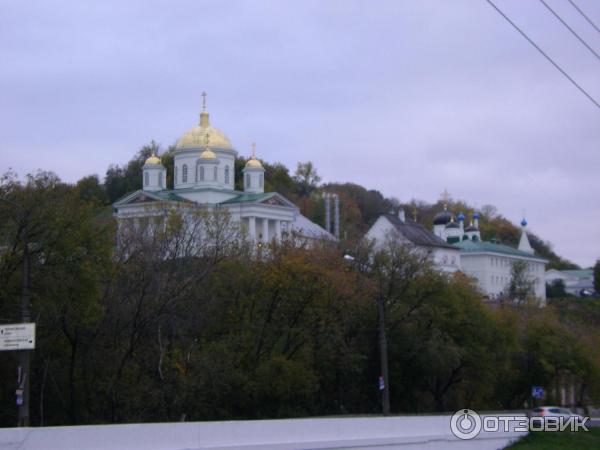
383,352
24,356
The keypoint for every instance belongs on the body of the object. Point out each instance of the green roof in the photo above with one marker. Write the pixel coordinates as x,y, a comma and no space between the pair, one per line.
162,195
248,198
170,195
492,247
585,273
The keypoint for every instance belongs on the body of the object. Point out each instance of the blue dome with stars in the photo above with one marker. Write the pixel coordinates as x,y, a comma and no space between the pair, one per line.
460,217
523,222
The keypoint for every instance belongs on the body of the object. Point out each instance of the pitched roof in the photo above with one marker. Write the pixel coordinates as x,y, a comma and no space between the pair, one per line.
584,273
168,195
268,198
492,247
417,233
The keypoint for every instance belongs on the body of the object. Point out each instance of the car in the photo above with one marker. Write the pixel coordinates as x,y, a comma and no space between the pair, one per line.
553,411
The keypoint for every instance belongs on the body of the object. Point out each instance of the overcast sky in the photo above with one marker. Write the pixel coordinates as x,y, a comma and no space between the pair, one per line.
407,97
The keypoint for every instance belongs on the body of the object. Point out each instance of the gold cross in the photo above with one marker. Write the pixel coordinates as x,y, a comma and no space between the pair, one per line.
204,101
253,150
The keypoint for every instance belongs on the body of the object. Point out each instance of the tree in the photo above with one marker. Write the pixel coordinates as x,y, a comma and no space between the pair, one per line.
90,190
69,253
521,288
556,289
121,180
306,178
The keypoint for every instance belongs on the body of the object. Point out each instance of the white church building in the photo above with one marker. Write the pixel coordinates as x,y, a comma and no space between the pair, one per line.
400,229
204,172
490,262
453,247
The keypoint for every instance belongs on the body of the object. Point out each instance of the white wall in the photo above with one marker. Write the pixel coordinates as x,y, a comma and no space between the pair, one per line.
381,433
444,259
493,272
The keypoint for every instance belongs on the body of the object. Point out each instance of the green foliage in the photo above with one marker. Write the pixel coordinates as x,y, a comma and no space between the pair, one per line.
306,178
565,440
521,288
163,328
556,289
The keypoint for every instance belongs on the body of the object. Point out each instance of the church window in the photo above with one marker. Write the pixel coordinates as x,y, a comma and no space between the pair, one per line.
197,170
260,180
160,179
247,180
146,179
176,171
201,173
215,173
226,174
184,173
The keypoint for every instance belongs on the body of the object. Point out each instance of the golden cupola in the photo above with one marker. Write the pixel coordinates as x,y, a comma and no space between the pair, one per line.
153,160
254,163
195,137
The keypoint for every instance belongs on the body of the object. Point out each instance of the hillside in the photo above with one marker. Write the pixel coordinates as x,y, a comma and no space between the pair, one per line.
359,206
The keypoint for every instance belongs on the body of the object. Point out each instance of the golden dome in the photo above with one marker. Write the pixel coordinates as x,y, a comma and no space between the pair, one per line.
254,163
208,154
153,160
196,137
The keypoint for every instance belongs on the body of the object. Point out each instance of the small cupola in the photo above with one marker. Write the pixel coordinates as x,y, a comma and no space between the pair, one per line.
154,174
254,174
207,170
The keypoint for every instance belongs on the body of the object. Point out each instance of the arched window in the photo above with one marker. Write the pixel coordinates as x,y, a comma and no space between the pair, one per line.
260,180
201,173
226,174
197,170
176,171
215,173
184,174
146,179
160,179
247,180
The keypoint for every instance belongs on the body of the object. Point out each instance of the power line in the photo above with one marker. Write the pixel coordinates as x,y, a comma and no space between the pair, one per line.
570,29
583,14
544,54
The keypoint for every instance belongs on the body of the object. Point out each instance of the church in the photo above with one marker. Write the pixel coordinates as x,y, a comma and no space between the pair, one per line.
204,176
454,247
490,262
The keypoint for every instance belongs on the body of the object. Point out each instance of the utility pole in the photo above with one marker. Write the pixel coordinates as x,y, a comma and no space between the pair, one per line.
383,351
383,356
24,355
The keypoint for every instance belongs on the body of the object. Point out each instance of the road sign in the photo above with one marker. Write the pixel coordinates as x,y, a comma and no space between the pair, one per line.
537,391
17,336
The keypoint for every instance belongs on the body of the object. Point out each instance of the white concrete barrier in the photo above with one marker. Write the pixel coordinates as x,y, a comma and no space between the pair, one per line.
382,433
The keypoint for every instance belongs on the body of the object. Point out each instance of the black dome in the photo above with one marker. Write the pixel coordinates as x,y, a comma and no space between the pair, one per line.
442,218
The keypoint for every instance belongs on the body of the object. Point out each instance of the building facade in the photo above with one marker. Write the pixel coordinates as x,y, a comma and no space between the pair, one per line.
444,256
490,263
577,282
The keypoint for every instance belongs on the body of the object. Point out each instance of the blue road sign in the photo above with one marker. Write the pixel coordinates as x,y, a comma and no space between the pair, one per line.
537,391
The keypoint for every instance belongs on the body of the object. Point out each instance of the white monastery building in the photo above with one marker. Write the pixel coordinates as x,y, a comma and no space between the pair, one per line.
454,247
204,172
398,228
